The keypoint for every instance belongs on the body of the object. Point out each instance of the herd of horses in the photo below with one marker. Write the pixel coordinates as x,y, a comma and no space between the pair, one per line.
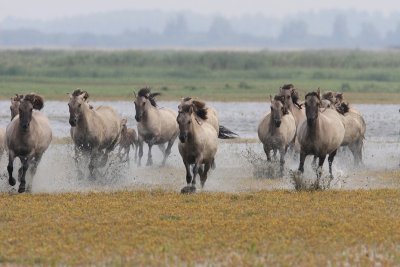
318,126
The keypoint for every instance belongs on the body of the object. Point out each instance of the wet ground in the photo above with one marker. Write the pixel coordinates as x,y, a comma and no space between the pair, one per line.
238,163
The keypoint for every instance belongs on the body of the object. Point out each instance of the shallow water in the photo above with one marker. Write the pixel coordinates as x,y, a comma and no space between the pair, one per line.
234,172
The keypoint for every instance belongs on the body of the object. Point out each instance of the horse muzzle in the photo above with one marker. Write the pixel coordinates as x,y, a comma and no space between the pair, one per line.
278,123
182,138
138,118
72,122
25,126
310,121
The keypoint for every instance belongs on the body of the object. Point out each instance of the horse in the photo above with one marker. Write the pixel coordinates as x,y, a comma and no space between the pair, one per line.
94,131
354,124
291,98
212,117
321,134
156,126
198,143
14,107
277,129
128,138
27,137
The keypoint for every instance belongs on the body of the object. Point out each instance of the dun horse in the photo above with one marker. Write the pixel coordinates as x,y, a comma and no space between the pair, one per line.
321,134
156,126
277,129
95,131
291,103
27,136
128,139
354,125
198,143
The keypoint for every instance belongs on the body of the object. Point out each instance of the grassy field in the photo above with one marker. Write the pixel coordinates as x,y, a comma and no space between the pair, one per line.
367,77
160,228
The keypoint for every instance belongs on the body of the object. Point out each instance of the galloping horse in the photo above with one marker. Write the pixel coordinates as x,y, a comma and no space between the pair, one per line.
27,137
95,131
198,143
321,134
156,126
277,129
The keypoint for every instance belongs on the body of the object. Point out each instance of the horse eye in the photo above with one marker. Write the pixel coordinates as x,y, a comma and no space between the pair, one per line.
79,105
189,122
144,103
288,97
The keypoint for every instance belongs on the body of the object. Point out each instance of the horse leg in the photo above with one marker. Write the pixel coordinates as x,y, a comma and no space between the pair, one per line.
319,169
93,164
76,159
188,174
140,143
302,159
267,150
162,148
127,150
314,162
135,146
203,176
282,152
330,161
149,156
196,168
275,151
168,150
119,152
25,166
10,168
33,169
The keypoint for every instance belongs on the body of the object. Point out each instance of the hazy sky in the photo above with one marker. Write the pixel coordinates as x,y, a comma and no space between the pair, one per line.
48,9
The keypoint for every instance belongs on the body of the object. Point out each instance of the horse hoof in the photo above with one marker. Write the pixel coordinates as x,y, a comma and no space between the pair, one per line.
12,181
21,189
190,189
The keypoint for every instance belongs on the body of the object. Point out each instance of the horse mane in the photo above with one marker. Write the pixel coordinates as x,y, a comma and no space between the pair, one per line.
36,100
199,107
288,86
146,92
342,108
328,95
312,94
79,92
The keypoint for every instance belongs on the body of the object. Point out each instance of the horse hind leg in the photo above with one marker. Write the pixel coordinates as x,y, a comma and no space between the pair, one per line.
168,150
282,152
330,161
149,156
140,144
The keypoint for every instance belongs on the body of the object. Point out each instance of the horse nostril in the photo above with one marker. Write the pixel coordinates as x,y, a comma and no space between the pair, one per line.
137,118
182,138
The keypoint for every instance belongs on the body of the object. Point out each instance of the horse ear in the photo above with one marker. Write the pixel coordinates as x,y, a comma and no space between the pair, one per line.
134,94
270,98
85,95
124,121
339,96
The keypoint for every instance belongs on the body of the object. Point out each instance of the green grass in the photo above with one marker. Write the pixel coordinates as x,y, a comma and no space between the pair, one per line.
226,76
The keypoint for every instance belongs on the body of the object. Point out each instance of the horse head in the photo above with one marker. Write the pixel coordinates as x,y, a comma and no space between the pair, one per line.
312,103
142,102
76,102
26,107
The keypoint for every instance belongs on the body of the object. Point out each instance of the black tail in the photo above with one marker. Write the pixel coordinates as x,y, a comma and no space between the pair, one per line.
225,133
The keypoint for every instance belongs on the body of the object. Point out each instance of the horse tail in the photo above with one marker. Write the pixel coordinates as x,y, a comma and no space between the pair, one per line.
225,133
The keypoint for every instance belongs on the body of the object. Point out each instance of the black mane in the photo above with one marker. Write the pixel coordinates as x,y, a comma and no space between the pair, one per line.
146,92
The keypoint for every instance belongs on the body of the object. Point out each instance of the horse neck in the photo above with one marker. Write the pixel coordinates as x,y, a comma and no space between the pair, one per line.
84,120
194,129
314,130
150,115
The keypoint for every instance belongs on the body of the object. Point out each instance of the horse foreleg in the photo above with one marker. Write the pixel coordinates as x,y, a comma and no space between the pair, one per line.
319,169
196,168
188,174
282,153
127,150
330,161
140,152
303,156
203,176
10,168
267,150
25,166
314,162
135,146
93,164
149,156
